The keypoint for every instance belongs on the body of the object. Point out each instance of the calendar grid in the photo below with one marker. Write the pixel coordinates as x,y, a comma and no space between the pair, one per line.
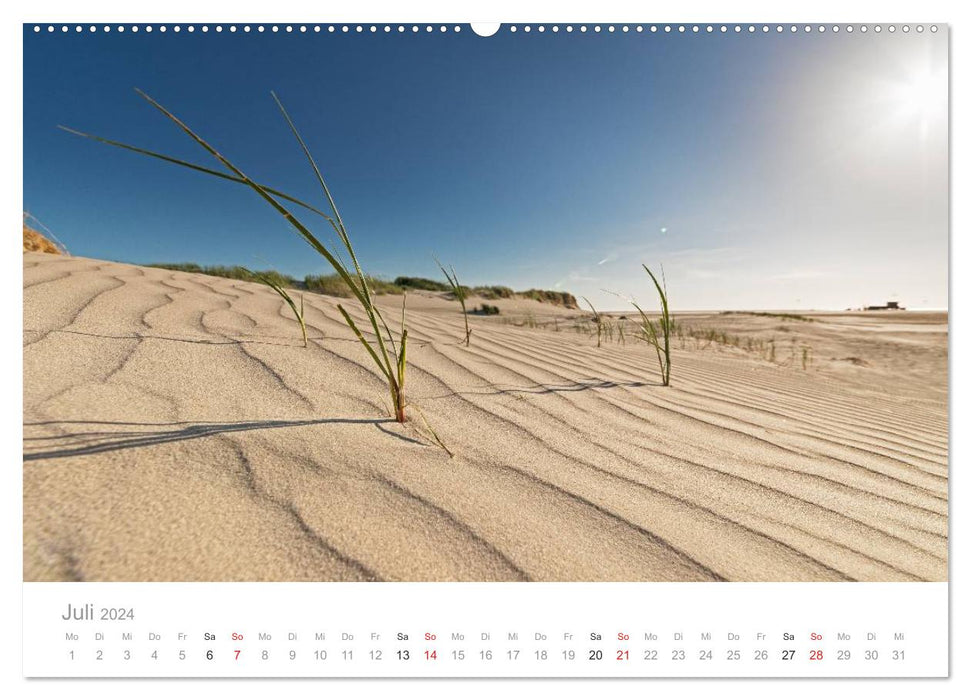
485,630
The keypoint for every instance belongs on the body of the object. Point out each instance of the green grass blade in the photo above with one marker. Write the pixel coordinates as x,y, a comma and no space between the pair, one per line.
364,342
374,315
401,359
660,290
453,281
286,297
191,166
283,211
404,340
597,319
460,294
431,430
339,224
313,163
356,283
303,323
665,324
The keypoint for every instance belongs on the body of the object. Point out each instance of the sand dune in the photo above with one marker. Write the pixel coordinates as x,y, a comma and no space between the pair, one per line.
176,429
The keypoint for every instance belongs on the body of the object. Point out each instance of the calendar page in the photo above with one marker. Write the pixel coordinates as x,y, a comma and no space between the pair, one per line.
512,350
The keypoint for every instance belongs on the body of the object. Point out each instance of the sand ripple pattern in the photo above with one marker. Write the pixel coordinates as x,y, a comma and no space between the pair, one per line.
175,429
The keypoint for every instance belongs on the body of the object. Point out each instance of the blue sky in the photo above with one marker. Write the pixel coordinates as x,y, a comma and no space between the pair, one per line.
765,171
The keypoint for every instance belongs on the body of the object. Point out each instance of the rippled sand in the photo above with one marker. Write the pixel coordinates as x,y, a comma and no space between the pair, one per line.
175,429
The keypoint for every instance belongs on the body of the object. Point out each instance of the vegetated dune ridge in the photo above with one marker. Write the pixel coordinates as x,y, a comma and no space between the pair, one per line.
175,429
35,241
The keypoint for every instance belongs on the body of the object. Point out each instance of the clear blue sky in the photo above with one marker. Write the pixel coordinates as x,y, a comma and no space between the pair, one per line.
766,171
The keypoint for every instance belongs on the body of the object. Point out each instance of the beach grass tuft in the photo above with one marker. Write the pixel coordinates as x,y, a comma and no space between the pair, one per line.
388,355
486,310
658,334
276,287
460,293
422,283
598,319
233,272
333,285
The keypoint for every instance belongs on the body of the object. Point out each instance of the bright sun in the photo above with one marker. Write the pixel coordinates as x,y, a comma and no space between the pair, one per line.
920,97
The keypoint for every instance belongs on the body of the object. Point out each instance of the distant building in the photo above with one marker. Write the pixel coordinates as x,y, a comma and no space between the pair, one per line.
889,306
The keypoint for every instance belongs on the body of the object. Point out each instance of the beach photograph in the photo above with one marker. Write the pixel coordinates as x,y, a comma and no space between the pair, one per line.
397,303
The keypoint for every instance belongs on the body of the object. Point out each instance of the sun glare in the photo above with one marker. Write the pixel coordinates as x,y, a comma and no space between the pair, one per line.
920,98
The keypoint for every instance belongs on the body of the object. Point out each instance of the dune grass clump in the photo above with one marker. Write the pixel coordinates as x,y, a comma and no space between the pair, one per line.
460,293
388,355
598,319
333,285
328,285
276,287
234,272
486,310
549,296
37,242
422,283
493,292
658,334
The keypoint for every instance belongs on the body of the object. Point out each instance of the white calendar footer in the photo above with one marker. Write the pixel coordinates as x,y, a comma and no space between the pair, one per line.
485,629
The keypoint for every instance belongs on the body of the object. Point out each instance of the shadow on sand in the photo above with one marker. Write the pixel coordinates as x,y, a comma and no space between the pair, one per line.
95,442
254,340
580,385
